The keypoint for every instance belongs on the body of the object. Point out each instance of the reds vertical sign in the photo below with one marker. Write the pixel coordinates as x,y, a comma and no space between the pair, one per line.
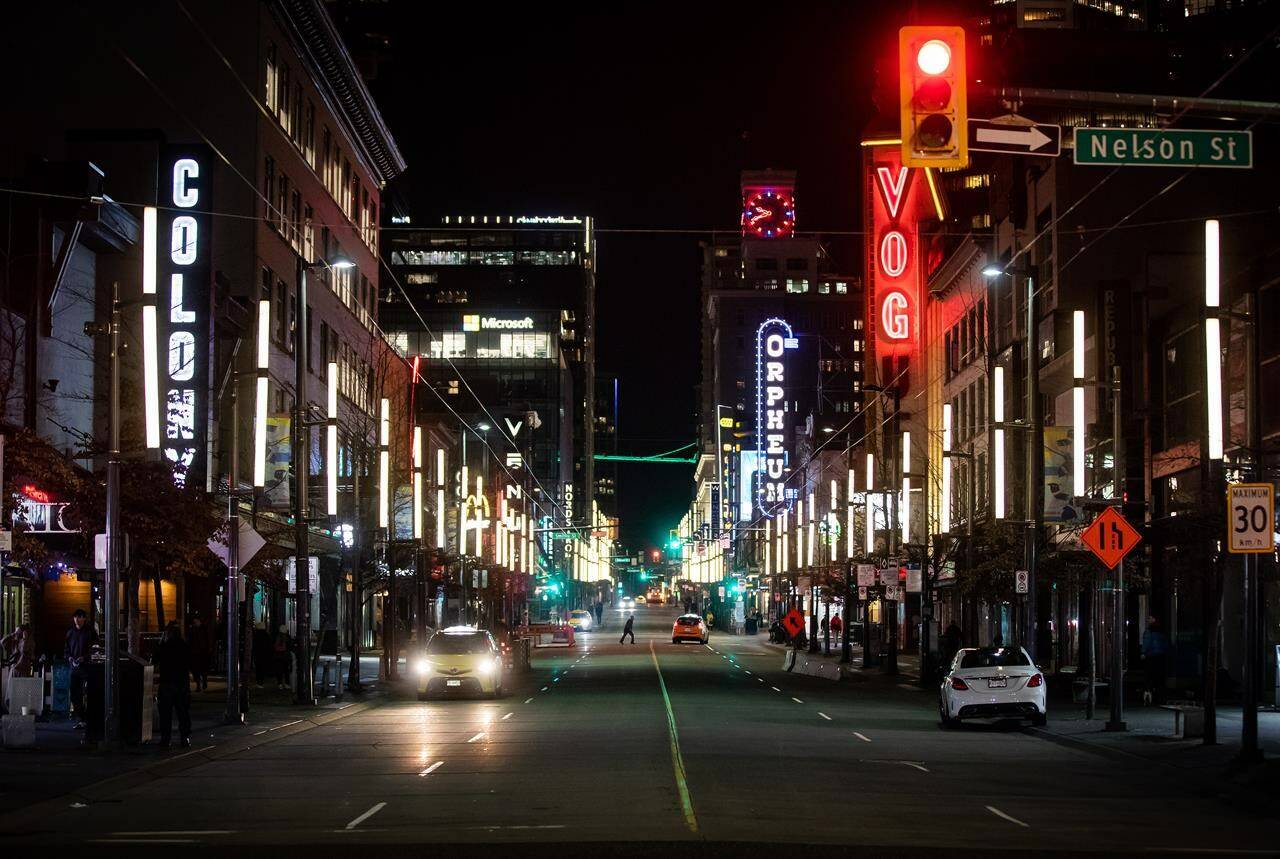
184,273
897,199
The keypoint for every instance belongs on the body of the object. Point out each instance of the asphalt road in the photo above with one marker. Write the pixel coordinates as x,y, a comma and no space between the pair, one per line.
653,743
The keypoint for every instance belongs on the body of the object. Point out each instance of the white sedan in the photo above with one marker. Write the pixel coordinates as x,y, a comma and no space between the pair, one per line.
990,682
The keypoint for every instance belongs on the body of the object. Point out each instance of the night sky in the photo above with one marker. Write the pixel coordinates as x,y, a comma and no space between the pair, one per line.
643,118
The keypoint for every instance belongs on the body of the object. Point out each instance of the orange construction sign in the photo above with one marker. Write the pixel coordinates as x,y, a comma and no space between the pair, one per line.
1111,537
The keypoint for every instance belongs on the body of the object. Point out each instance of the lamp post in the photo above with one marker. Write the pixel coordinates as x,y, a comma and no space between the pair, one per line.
301,463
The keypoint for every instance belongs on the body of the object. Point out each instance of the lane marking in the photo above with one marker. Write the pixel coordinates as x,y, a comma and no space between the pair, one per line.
519,826
429,770
775,688
528,700
557,680
175,832
761,679
142,841
476,737
370,813
862,737
824,715
915,765
508,716
998,813
544,688
797,700
677,760
285,725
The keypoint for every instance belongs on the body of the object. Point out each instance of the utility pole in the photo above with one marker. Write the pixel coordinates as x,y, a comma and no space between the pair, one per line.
301,456
356,602
233,714
1035,470
1251,676
111,580
1116,722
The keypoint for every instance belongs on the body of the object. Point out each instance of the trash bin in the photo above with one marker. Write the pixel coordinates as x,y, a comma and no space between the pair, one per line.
134,700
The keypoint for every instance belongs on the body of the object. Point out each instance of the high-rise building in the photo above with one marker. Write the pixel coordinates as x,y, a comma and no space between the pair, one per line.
782,353
498,312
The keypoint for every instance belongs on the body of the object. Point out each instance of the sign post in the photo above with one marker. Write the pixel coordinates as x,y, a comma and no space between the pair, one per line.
1250,532
1110,537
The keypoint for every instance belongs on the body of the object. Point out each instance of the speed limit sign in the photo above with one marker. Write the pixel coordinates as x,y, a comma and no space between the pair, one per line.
1250,518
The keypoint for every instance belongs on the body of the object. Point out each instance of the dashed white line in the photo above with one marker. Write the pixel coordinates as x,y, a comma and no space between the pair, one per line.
797,700
544,688
476,737
508,716
429,770
862,737
370,813
745,670
775,688
824,715
761,679
998,813
528,700
917,766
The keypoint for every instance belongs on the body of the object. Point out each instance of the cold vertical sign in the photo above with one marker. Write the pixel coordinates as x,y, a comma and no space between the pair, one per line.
184,274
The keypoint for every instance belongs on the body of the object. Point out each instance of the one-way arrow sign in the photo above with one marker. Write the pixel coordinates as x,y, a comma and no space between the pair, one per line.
986,135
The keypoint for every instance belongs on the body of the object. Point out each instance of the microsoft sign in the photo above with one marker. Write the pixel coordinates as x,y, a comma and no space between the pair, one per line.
476,322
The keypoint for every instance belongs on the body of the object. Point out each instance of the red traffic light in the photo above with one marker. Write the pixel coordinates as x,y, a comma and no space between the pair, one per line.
934,57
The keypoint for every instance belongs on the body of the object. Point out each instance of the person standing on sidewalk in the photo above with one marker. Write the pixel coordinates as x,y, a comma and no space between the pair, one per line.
173,663
80,641
1155,651
628,630
280,656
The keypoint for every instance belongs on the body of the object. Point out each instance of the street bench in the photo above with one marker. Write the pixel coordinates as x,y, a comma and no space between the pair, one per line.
1188,720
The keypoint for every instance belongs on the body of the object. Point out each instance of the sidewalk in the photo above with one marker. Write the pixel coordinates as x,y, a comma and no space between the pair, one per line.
62,763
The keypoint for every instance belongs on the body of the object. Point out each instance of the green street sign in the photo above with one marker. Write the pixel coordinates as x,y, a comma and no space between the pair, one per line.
1164,147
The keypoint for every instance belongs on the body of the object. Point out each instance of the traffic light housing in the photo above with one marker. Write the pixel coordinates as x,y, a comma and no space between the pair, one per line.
932,97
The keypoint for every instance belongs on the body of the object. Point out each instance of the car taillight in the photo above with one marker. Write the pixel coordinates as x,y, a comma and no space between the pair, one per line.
1036,680
957,683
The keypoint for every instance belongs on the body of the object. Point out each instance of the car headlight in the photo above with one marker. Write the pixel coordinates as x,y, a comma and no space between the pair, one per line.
422,667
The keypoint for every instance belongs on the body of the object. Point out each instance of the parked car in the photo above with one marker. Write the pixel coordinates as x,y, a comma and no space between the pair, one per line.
992,682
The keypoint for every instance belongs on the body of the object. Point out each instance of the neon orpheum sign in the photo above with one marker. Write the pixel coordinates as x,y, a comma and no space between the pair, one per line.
185,271
894,254
773,338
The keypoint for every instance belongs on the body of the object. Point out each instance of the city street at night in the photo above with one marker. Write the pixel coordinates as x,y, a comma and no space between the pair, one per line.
847,427
669,743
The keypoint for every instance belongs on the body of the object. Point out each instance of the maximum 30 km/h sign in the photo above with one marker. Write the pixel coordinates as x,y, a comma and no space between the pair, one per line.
1250,518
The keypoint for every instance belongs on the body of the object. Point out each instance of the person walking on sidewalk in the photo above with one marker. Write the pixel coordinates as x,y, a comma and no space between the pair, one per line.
80,641
199,641
173,663
1155,650
628,630
280,649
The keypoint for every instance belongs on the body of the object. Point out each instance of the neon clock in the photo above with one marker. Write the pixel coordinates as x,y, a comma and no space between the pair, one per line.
768,213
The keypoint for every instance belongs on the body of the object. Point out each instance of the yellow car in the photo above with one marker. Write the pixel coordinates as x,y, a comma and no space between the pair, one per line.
581,620
459,660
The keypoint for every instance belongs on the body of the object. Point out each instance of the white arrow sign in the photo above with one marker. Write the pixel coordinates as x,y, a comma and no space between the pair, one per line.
1031,138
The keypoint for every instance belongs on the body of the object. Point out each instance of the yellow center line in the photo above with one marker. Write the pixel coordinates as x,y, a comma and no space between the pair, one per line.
677,761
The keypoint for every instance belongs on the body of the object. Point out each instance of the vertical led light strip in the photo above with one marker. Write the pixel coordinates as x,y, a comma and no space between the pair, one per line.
479,529
331,442
417,483
1078,440
944,512
260,397
906,487
997,456
440,498
150,333
1212,338
871,520
384,465
768,544
848,531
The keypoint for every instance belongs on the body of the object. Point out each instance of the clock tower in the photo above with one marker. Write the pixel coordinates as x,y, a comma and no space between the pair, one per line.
768,204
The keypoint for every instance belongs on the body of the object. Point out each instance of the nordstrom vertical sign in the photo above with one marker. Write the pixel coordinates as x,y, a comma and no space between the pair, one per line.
184,275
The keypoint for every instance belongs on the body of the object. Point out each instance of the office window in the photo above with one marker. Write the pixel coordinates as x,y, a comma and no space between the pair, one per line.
324,346
766,264
797,285
269,189
282,202
824,289
797,264
841,287
272,78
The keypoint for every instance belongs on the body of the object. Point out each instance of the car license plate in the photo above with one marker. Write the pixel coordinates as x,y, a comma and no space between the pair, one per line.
459,683
997,682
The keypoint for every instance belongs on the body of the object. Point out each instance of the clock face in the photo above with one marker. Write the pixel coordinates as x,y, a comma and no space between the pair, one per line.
769,214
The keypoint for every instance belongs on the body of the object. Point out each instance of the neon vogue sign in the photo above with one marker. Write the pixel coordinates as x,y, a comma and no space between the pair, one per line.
773,338
893,253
